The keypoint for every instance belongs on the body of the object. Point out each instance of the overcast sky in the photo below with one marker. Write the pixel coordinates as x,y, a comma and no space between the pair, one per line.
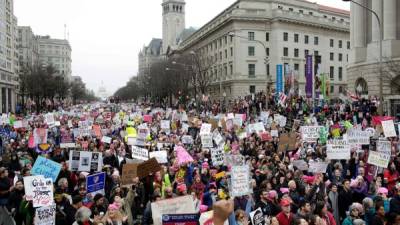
106,36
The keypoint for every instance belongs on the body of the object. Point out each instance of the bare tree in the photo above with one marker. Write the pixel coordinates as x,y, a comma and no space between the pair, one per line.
391,73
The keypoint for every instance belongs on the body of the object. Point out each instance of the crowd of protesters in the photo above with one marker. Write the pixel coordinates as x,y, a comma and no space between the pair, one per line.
349,192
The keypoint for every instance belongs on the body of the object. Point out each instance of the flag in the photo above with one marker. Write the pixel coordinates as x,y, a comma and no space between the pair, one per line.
309,76
282,99
323,87
352,96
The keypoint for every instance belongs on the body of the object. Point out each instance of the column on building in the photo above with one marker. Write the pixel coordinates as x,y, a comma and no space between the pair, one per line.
1,100
377,7
390,23
359,25
6,102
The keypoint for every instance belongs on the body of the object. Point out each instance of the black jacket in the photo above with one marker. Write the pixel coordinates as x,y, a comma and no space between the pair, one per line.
395,204
345,199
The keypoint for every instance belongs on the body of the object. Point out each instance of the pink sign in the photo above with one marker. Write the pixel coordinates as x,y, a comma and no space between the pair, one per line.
147,118
183,155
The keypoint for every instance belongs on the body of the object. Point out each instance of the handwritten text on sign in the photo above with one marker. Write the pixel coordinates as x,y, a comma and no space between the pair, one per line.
217,156
47,168
240,181
39,190
337,149
379,159
358,137
310,133
45,215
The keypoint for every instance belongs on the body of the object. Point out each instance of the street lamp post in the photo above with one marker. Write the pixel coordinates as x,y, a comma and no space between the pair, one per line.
380,108
232,34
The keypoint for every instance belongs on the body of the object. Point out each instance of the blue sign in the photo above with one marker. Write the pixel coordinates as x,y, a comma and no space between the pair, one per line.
95,182
47,168
182,219
279,79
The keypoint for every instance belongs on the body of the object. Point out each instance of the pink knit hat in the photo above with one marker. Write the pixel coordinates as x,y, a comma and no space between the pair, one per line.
382,190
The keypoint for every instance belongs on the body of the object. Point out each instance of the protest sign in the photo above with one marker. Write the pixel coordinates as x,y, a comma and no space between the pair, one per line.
140,153
161,156
73,161
84,161
18,124
45,215
131,141
106,139
234,160
40,135
274,133
96,161
310,133
217,156
379,159
49,119
384,146
147,118
257,217
39,190
205,128
187,140
358,137
220,175
182,155
95,183
206,141
388,128
337,149
46,167
148,167
287,142
179,205
180,219
300,165
67,145
317,167
217,137
266,136
129,171
165,124
240,181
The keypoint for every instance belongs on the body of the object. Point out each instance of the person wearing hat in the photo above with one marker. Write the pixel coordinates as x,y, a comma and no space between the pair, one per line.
265,203
354,214
285,217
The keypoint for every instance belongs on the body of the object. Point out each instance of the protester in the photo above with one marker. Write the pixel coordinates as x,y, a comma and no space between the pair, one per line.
278,160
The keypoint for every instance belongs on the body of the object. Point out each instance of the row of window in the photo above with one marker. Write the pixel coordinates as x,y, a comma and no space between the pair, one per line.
309,13
306,40
252,71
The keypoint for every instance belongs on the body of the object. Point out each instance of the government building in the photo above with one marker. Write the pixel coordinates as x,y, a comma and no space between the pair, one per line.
241,47
363,70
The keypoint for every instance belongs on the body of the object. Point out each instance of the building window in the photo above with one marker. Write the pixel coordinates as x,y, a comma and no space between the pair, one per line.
331,56
285,36
332,89
348,45
296,52
251,36
305,39
291,9
267,51
340,57
340,43
231,51
280,7
331,43
315,40
285,51
225,39
226,53
310,13
296,67
251,51
268,69
301,11
230,69
332,73
267,36
296,38
252,89
340,89
316,53
231,38
252,70
340,73
305,53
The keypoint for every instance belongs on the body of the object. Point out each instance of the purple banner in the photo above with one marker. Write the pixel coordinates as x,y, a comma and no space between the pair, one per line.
309,76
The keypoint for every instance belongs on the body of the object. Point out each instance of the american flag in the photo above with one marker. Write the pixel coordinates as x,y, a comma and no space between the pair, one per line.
352,96
282,99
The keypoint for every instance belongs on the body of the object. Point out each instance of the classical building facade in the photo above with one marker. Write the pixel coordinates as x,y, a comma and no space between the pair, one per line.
148,55
9,65
363,70
56,52
28,48
245,43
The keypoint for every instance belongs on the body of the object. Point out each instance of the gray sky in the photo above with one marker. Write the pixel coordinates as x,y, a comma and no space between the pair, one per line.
106,36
